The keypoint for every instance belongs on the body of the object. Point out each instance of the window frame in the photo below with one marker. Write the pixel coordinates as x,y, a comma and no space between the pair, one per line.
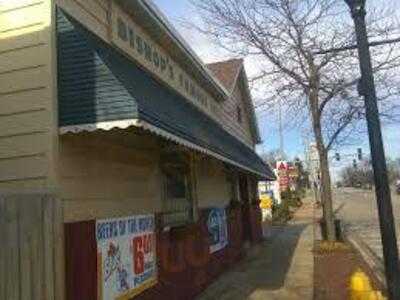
183,169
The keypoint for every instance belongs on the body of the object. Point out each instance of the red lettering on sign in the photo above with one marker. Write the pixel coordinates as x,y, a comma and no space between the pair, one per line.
138,255
148,239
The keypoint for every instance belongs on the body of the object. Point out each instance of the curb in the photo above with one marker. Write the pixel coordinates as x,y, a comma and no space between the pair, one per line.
374,262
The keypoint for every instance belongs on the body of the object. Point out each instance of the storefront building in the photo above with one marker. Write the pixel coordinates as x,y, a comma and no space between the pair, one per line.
150,151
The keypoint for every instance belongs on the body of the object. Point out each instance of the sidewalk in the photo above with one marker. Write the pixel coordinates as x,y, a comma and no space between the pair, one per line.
280,268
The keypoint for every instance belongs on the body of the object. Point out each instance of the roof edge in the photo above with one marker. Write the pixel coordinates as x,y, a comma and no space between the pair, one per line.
252,109
169,30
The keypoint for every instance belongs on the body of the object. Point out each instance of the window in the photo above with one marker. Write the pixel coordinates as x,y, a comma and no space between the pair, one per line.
177,202
239,114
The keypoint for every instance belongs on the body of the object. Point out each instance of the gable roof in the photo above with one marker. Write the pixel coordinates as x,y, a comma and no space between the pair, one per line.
229,72
99,85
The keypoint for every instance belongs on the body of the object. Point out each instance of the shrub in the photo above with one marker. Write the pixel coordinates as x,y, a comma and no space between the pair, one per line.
283,212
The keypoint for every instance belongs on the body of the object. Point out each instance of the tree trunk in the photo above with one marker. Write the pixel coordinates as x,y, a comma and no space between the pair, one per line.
326,192
326,195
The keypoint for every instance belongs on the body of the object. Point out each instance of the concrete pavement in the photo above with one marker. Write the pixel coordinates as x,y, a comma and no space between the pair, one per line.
358,211
281,267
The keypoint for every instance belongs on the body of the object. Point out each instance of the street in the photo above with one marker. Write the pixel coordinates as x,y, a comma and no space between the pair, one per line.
358,211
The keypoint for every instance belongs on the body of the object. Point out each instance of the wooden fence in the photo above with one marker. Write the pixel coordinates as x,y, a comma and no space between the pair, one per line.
31,248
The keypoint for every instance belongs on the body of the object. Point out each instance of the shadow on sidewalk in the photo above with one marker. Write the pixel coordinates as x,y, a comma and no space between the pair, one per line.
264,269
274,256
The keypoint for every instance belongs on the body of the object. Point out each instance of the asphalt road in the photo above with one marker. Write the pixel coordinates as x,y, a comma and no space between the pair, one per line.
358,211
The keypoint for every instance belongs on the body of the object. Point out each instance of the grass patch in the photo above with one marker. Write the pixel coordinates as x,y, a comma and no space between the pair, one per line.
326,247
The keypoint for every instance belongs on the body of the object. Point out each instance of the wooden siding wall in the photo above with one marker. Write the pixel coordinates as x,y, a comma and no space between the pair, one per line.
239,98
213,188
96,16
27,94
228,113
103,178
117,174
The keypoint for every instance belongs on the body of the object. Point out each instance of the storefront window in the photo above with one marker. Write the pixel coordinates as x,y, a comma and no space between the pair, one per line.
178,201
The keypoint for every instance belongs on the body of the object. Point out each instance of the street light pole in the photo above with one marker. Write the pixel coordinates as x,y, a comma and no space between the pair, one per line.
382,189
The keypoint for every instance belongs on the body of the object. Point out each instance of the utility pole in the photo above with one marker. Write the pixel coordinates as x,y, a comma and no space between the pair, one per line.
281,141
382,190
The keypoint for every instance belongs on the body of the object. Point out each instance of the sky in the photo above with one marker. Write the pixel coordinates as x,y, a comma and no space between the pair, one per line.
294,137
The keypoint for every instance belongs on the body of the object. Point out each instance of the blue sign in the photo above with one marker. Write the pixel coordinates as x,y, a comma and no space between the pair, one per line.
217,228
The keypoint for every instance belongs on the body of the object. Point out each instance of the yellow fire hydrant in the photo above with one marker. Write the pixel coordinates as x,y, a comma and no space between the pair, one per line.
361,288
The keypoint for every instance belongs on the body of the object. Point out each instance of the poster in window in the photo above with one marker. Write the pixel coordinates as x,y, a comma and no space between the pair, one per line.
217,228
126,256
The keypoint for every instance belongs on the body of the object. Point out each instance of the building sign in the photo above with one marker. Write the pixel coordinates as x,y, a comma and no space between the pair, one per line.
283,176
218,229
126,256
129,37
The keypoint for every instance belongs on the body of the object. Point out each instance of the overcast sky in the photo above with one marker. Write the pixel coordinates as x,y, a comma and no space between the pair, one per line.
294,137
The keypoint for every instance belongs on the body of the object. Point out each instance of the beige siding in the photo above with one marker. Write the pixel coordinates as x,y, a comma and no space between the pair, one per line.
23,59
91,13
102,178
16,146
23,101
212,184
27,89
29,167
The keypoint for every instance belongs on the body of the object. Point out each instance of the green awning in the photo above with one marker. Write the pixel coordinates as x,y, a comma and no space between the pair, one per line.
99,85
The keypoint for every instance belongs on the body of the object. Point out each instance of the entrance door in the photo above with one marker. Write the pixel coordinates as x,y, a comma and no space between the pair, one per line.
244,197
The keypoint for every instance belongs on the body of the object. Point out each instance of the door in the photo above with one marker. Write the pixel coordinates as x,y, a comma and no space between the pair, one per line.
244,197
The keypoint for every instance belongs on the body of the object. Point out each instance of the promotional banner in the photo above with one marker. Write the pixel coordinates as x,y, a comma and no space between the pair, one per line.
217,228
126,256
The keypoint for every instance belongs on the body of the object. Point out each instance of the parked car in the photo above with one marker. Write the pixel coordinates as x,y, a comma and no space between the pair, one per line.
398,190
398,187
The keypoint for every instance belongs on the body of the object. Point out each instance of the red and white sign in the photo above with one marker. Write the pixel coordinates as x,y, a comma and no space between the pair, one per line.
282,168
127,256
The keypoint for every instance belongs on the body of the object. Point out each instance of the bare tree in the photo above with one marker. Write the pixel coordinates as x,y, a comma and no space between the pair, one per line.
282,36
273,156
362,174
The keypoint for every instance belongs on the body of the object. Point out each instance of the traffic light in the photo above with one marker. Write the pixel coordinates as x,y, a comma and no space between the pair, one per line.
337,156
359,154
